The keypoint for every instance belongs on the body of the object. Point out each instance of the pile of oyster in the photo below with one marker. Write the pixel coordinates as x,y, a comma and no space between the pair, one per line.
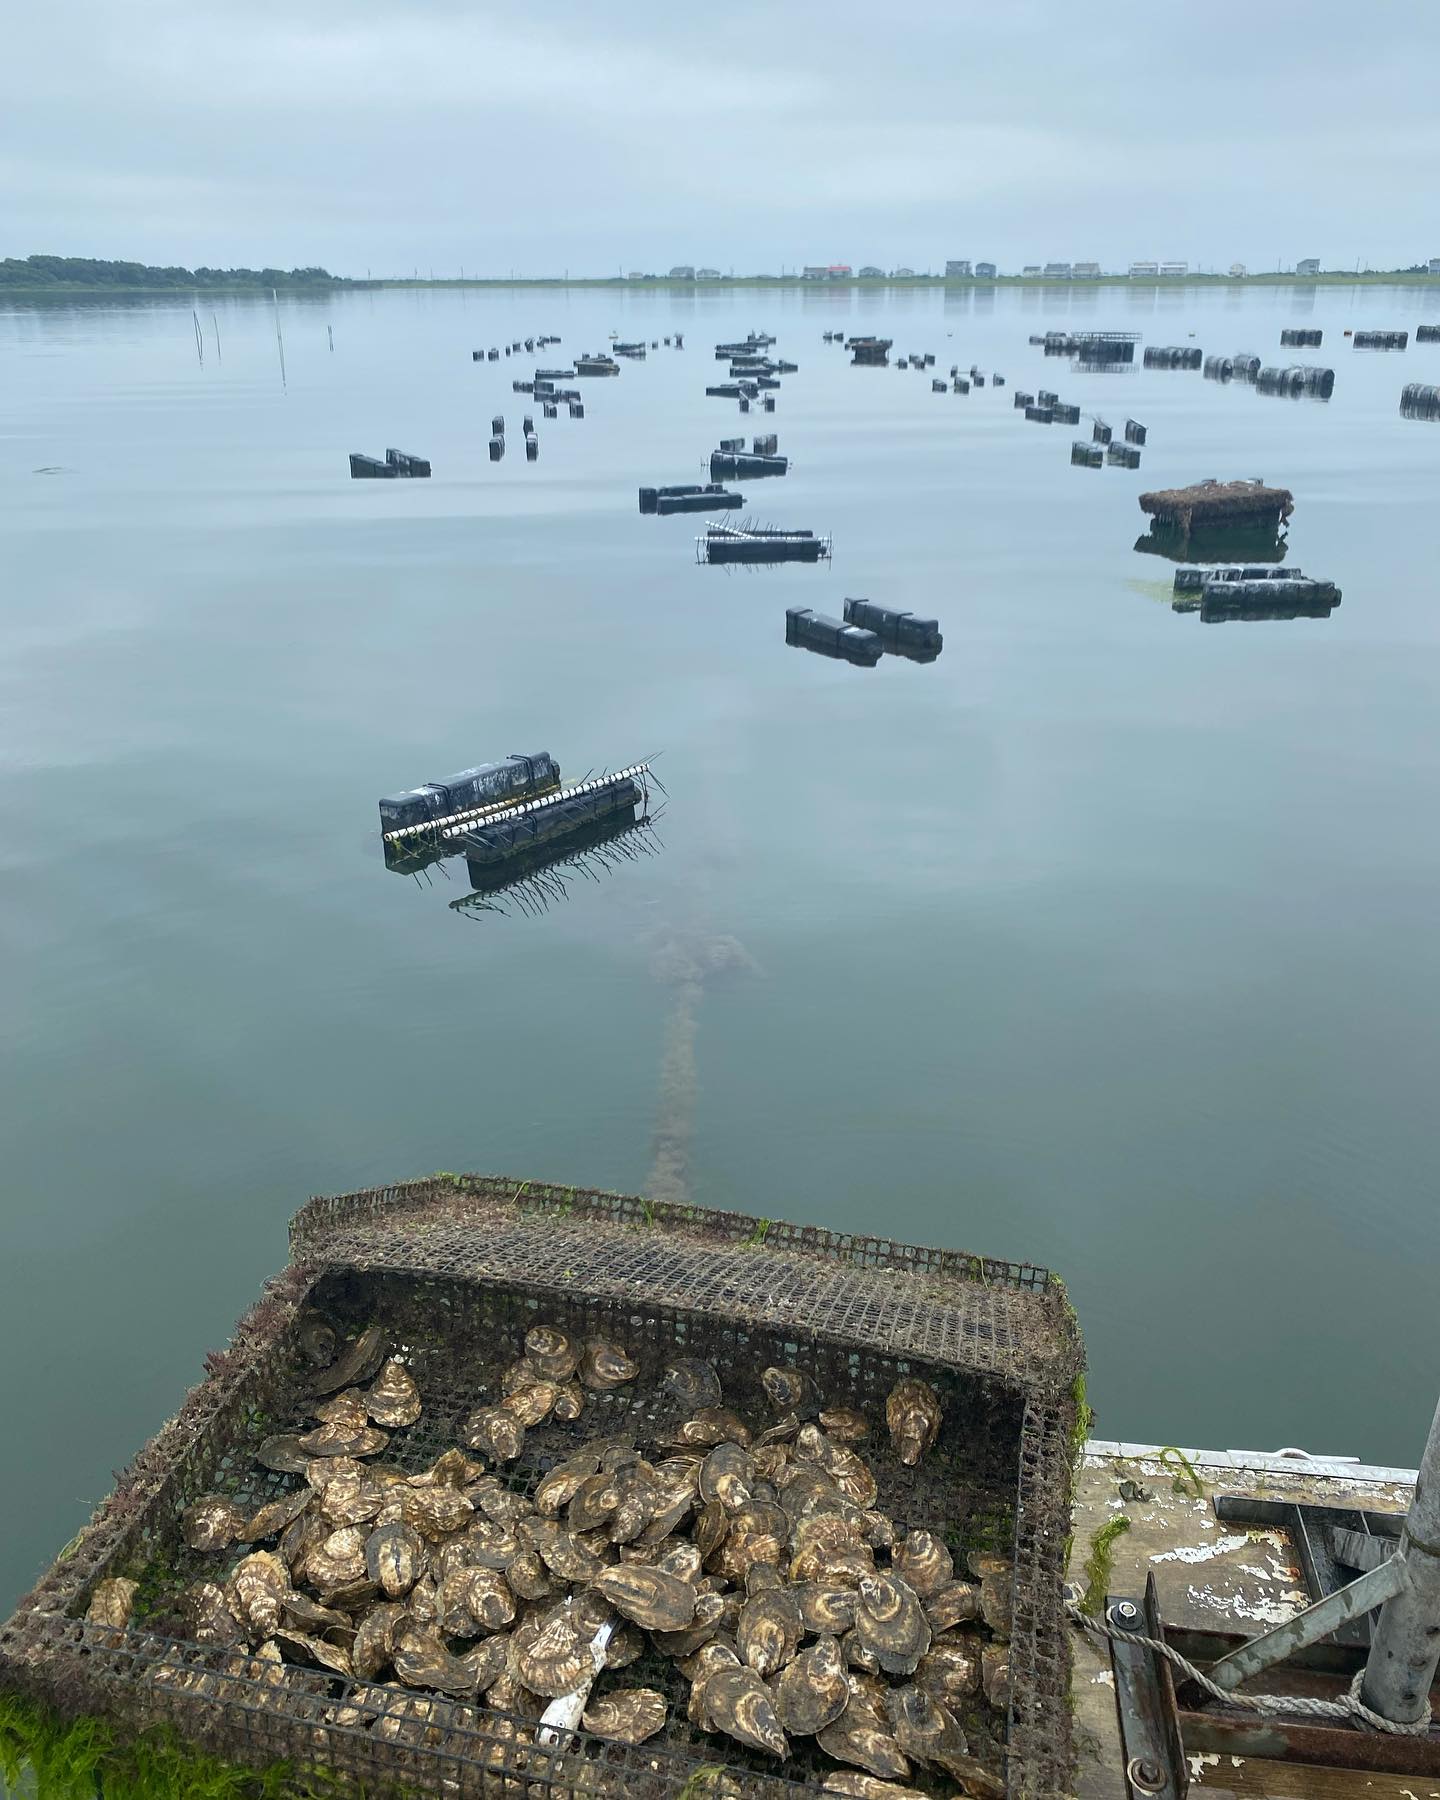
751,1556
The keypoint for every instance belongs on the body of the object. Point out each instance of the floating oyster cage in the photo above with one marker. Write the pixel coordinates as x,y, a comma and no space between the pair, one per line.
455,1269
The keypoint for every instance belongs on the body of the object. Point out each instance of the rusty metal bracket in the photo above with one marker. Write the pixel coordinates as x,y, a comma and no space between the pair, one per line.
1155,1766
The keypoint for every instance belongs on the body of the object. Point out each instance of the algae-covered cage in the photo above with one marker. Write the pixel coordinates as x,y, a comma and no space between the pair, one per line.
453,1270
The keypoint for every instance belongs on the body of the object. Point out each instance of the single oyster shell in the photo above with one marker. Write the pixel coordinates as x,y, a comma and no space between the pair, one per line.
475,1602
891,1623
787,1389
877,1530
213,1523
593,1503
627,1645
345,1409
769,1630
258,1589
625,1716
352,1498
851,1474
681,1559
342,1440
317,1340
715,1653
394,1398
924,1562
843,1568
112,1602
813,1689
826,1609
727,1475
996,1599
711,1525
844,1424
552,1353
304,1614
207,1616
926,1730
552,1656
272,1518
569,1402
313,1652
954,1603
338,1562
761,1577
709,1612
951,1672
395,1558
711,1425
558,1486
453,1468
357,1362
486,1662
855,1786
814,1538
604,1366
995,1675
912,1412
422,1661
561,1551
527,1577
499,1434
693,1381
531,1403
639,1494
484,1545
490,1496
649,1596
435,1511
737,1702
868,1746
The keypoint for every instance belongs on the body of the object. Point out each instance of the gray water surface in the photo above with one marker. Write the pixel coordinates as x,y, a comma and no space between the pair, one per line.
1106,941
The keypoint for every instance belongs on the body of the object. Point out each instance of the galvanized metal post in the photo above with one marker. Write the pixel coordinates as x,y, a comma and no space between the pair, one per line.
1406,1646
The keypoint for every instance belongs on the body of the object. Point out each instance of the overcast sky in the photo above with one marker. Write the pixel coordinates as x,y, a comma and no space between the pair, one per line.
434,134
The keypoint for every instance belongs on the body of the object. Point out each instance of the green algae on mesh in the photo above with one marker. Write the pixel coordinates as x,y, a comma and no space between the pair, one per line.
1099,1563
84,1759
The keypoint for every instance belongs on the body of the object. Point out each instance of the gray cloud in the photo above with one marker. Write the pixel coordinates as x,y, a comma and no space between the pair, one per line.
437,133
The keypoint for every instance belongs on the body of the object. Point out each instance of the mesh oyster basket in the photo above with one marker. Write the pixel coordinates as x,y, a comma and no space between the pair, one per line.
456,1269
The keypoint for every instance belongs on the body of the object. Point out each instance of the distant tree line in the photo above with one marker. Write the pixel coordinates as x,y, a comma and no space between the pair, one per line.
92,272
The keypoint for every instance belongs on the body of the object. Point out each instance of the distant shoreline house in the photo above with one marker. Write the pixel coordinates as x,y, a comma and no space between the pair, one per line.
683,272
985,271
1032,269
1057,271
957,269
707,274
826,272
1086,271
1174,268
871,273
902,274
1238,271
1308,265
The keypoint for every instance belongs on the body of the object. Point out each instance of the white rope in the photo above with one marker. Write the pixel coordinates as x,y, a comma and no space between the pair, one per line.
1299,1705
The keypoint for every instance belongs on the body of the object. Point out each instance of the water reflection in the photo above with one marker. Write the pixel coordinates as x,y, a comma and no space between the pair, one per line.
534,882
1215,544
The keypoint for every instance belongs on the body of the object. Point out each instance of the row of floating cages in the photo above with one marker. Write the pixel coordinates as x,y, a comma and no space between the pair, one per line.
1427,334
1254,601
1379,340
1295,380
1091,455
1301,337
867,632
1092,349
531,344
1173,356
397,465
534,880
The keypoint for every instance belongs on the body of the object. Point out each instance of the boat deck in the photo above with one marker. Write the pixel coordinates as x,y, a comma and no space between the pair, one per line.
1213,1576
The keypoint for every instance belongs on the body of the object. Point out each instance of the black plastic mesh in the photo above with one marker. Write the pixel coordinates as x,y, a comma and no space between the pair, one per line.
456,1286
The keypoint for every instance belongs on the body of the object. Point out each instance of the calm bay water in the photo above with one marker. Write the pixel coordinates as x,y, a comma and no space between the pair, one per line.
1106,941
